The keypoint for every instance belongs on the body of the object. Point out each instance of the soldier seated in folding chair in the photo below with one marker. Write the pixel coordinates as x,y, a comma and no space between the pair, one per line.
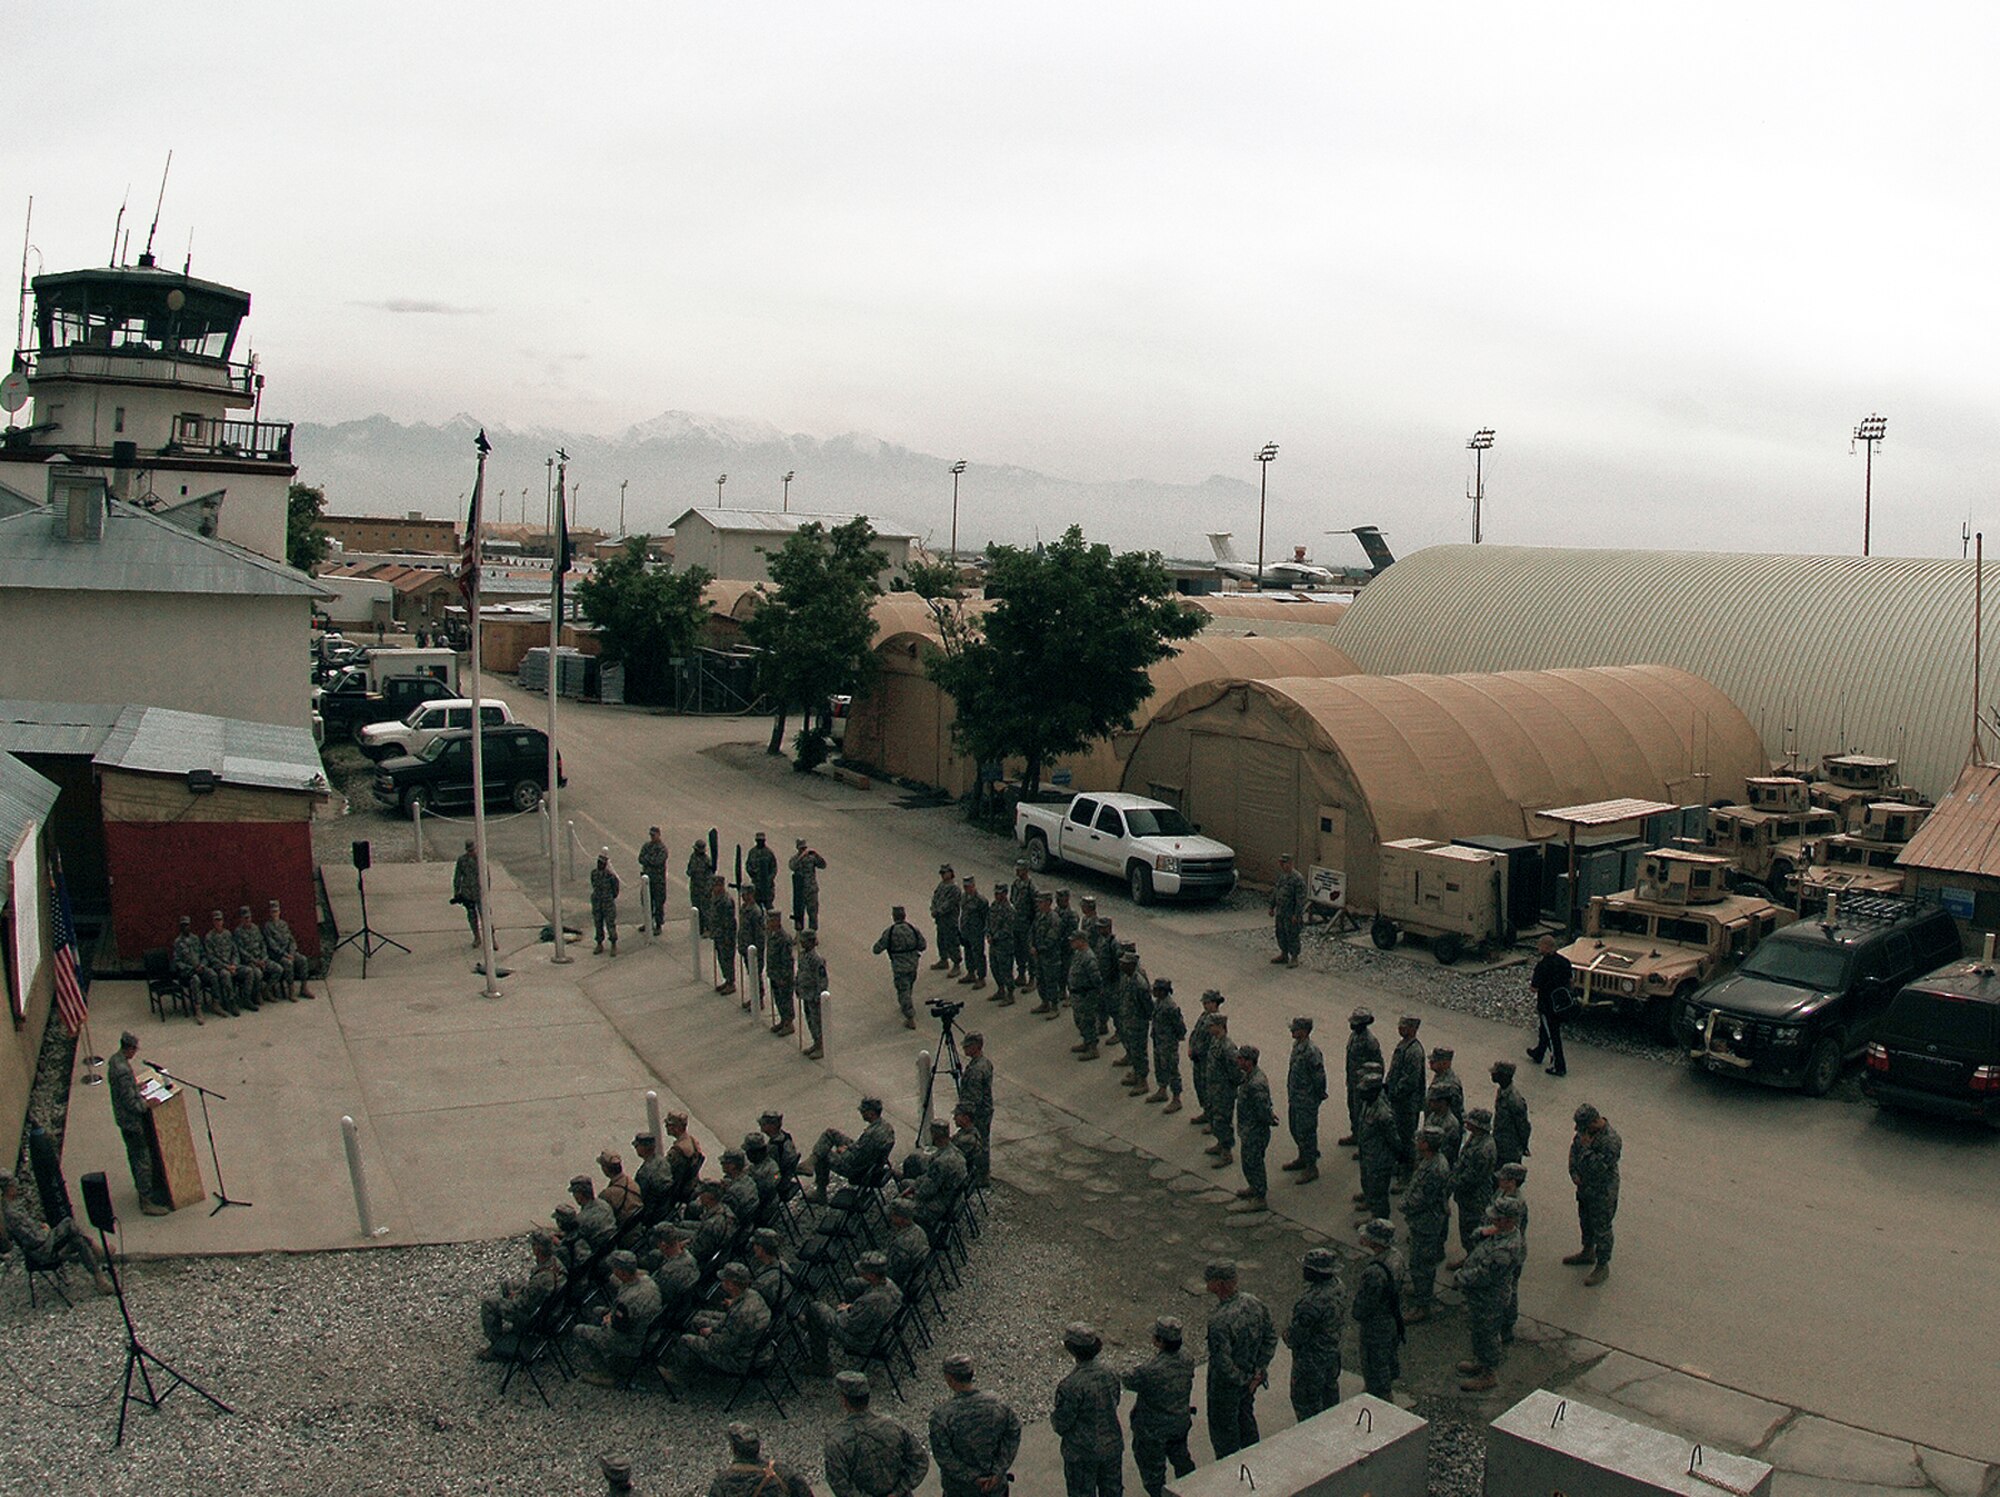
505,1315
674,1272
769,1177
46,1249
282,949
936,1191
855,1327
611,1348
725,1340
856,1160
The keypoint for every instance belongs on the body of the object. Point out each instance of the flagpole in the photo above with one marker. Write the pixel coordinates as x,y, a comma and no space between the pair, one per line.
489,964
559,563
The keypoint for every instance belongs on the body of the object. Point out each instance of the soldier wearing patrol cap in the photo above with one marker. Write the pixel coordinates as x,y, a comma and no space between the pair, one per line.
1485,1280
1593,1169
675,1273
1305,1089
1168,1028
1085,1418
1241,1343
1404,1087
1510,1115
974,1436
1319,1317
1378,1308
1162,1414
751,1473
1427,1212
946,901
512,1307
613,1346
617,1470
857,1324
1472,1177
44,1244
128,1111
1379,1144
903,944
723,1341
869,1454
1508,1180
1363,1049
1445,1079
856,1160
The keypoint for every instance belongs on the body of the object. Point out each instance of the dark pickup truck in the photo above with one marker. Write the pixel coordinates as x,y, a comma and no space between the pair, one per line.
346,705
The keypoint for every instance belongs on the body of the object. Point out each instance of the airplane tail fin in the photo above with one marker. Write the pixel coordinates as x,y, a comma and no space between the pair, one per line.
1379,557
1220,541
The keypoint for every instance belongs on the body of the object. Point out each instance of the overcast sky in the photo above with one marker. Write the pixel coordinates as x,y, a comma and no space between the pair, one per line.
1672,255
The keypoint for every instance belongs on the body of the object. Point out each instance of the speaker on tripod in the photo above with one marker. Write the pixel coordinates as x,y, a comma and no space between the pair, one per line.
364,855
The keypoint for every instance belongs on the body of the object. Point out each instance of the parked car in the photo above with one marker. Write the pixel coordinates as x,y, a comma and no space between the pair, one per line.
1937,1049
409,735
346,705
1147,843
1811,995
440,778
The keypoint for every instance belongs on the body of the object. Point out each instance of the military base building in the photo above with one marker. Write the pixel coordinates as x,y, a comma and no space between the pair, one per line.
737,543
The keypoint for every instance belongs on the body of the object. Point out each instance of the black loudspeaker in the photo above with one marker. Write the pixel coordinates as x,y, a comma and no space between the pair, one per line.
363,859
97,1202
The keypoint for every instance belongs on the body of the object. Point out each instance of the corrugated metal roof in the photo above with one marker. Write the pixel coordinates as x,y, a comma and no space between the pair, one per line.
1963,834
780,522
1269,606
24,797
1844,651
29,727
139,553
1607,812
158,740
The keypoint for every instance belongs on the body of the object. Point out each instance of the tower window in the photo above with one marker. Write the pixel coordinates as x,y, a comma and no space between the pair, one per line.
118,419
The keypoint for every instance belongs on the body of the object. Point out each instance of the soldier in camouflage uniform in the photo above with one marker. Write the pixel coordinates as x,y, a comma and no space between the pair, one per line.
251,956
854,1159
909,1245
1225,1075
1405,1087
811,981
205,989
282,947
1168,1030
596,1222
1000,937
1162,1414
903,944
1085,1419
653,868
975,1083
1510,1116
1593,1168
1485,1280
1241,1343
970,1140
676,1275
1048,944
761,864
1021,900
1438,1115
1305,1089
1319,1317
1254,1122
1445,1079
1427,1213
1507,1183
751,919
654,1177
780,963
725,1341
1201,1039
722,933
855,1326
1288,907
701,881
1378,1309
945,902
1472,1177
1135,1021
604,887
1068,921
1085,982
1377,1146
231,975
1363,1049
42,1244
806,864
974,1436
513,1306
465,887
974,917
751,1473
611,1348
871,1455
739,1187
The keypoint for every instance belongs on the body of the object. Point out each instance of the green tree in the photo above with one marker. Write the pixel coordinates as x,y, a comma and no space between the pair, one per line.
306,543
1060,659
817,629
648,616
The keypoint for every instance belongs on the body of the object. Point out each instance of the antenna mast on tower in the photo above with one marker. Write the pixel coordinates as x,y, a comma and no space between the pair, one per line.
146,255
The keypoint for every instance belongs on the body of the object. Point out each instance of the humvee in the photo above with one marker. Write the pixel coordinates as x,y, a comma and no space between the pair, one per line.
1647,949
1849,783
1766,839
1861,861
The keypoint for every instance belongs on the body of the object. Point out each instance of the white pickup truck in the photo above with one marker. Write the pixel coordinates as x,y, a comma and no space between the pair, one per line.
1145,842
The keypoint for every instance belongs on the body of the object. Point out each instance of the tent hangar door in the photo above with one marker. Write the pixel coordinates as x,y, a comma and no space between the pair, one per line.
1246,793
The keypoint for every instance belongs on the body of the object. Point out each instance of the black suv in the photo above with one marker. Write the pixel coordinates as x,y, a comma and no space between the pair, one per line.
1812,994
440,777
1938,1048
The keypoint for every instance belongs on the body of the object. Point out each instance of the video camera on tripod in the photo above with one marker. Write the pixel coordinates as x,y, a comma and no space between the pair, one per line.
944,1010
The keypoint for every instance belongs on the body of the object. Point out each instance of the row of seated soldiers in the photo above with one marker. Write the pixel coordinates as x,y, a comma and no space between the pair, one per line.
227,970
710,1255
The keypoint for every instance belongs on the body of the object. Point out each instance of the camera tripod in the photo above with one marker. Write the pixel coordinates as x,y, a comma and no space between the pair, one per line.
945,1057
138,1355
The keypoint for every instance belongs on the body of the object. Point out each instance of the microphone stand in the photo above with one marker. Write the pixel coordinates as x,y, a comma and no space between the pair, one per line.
222,1196
138,1354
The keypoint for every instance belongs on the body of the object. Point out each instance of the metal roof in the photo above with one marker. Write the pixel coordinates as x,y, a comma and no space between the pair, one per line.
1607,812
24,797
139,553
158,740
1963,834
28,727
1822,653
779,522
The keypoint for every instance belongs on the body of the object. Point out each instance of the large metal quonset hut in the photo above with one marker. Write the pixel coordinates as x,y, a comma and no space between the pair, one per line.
1328,769
1823,653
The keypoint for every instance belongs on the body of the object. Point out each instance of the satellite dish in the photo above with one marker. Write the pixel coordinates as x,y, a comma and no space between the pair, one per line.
13,391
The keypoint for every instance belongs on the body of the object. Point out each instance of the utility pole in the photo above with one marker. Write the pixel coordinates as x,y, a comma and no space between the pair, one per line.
957,470
548,501
720,480
789,476
1480,441
1869,432
621,506
1263,457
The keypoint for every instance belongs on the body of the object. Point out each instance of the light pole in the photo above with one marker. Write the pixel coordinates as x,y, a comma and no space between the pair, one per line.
621,506
789,476
720,480
548,501
1870,433
1481,440
957,471
1264,455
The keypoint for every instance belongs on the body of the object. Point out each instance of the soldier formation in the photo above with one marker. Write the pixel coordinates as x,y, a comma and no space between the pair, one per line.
233,969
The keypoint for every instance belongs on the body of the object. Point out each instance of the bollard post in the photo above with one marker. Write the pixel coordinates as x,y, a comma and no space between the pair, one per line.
569,849
755,977
646,905
351,1136
417,827
825,1023
923,1097
653,1120
694,941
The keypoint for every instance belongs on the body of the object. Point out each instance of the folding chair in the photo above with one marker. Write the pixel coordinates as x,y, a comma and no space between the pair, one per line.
541,1337
765,1367
891,1345
35,1266
164,989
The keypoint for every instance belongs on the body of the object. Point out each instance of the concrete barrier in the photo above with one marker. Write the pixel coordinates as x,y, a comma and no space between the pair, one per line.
1548,1444
1361,1447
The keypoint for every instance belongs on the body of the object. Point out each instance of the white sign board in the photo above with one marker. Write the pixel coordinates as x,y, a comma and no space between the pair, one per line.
25,891
1327,887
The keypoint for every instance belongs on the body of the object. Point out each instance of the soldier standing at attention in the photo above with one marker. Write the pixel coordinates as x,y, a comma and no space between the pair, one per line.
1472,1177
1241,1343
653,867
1067,921
1162,1414
1593,1169
871,1455
1319,1317
1135,1021
903,944
1048,942
751,1473
1485,1279
1085,1417
1437,1114
1000,946
1406,1091
1084,981
1288,905
128,1110
1508,1182
806,865
762,866
1021,900
1445,1079
945,900
1201,1040
191,967
701,882
722,933
1363,1049
973,918
465,887
1378,1150
1225,1075
1254,1122
975,1084
283,948
604,888
1169,1028
1427,1212
779,963
974,1436
1305,1089
750,922
1510,1116
1378,1309
230,973
811,981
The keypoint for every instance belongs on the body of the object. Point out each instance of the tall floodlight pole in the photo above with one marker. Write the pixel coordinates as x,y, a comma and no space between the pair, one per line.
621,504
789,476
1869,432
720,480
1263,455
549,501
957,472
1480,441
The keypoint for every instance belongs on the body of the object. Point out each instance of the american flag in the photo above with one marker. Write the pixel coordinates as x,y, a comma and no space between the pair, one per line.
468,558
70,1002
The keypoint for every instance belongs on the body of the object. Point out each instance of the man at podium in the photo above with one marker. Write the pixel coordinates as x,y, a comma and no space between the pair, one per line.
129,1109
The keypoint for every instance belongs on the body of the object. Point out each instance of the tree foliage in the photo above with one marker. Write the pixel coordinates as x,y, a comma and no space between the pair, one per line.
647,616
306,543
1060,659
817,628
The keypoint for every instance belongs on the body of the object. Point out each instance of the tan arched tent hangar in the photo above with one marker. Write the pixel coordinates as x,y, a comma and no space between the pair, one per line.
1328,769
1290,615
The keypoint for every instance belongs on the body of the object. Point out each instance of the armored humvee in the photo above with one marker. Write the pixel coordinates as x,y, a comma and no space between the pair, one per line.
1766,839
1849,783
1861,861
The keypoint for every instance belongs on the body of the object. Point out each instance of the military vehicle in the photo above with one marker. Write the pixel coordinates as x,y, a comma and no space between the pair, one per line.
1849,783
1766,839
1862,861
1645,951
1455,897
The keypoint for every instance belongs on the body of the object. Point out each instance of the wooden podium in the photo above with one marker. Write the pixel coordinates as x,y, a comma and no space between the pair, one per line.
174,1157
